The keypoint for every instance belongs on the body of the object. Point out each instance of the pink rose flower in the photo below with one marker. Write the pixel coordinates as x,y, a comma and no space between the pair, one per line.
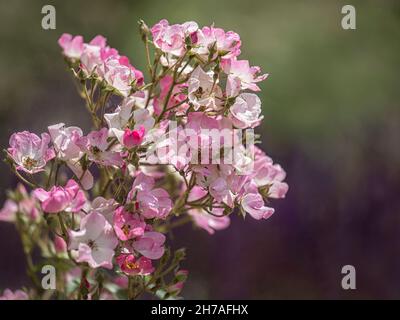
119,76
253,204
209,222
16,295
247,75
132,138
245,112
150,245
96,146
227,44
9,210
72,46
151,202
202,91
128,225
171,38
142,182
155,203
221,192
65,141
95,242
104,206
69,198
30,152
132,266
268,174
27,205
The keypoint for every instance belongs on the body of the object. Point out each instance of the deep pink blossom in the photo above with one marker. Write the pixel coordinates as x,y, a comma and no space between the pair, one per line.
128,225
59,244
133,138
130,265
69,198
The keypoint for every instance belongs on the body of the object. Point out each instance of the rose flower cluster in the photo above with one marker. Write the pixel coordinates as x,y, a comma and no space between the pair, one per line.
99,204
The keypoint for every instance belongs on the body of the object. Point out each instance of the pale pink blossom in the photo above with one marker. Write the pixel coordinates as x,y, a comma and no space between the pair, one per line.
150,245
30,152
155,203
221,192
66,144
118,121
104,206
247,75
268,174
96,145
203,91
142,182
226,44
246,111
121,118
9,211
65,141
128,225
209,222
83,175
69,198
26,205
72,46
130,265
171,38
95,242
91,60
95,53
119,74
253,204
16,295
151,202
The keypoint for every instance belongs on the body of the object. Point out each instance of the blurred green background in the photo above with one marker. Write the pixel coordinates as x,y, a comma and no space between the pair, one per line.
332,119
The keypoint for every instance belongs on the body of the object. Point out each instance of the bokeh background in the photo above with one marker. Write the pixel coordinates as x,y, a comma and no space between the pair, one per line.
332,119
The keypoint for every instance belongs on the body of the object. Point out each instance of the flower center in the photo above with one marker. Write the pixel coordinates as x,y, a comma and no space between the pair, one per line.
126,228
29,163
95,150
92,244
199,93
132,265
